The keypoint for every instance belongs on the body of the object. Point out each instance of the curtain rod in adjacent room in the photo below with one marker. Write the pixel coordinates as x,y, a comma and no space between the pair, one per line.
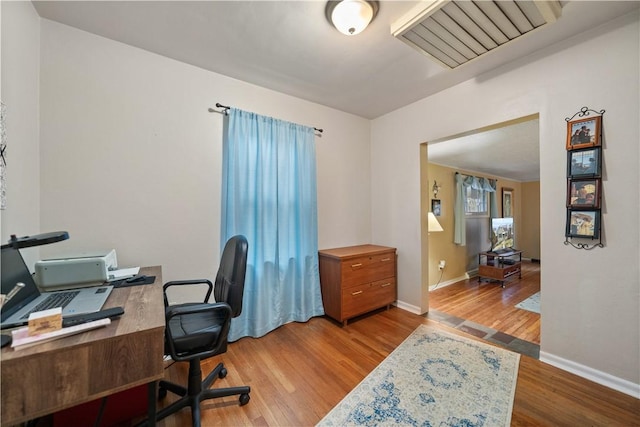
473,176
225,108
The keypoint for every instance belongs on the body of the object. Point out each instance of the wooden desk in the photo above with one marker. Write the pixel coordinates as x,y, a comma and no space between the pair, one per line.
52,376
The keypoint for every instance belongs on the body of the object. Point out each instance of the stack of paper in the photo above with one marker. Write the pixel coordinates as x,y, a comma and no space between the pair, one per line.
123,273
20,337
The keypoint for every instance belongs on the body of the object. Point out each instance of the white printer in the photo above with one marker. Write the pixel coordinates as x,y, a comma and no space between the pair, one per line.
86,269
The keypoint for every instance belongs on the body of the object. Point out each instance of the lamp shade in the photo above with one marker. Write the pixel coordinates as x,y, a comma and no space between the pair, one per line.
351,17
432,223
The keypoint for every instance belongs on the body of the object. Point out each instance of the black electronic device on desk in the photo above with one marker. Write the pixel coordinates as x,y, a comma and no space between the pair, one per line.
139,279
79,319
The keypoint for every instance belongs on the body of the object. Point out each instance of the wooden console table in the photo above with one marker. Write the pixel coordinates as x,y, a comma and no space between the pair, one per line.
59,374
499,265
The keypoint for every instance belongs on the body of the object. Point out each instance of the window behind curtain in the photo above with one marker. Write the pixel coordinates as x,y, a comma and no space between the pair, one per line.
476,202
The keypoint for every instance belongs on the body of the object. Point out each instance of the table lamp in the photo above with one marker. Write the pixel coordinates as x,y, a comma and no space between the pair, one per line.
432,223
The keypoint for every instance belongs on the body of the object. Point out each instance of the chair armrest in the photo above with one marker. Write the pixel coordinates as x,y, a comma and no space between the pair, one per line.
179,309
187,282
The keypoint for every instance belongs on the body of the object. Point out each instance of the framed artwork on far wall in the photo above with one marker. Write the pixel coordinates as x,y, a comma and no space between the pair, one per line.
507,202
584,133
583,193
583,223
436,207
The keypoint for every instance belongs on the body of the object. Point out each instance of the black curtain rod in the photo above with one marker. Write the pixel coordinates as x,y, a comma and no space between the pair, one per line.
226,107
466,174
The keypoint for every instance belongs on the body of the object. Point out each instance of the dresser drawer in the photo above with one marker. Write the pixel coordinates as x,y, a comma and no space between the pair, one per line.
366,297
368,269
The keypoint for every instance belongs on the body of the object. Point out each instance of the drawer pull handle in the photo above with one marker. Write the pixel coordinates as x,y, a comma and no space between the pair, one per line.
386,284
385,259
356,265
356,293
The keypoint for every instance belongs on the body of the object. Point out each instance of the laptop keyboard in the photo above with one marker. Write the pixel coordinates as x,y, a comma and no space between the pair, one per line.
59,299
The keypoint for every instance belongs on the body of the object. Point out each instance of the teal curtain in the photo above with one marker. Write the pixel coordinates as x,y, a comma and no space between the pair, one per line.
459,215
493,199
459,232
269,196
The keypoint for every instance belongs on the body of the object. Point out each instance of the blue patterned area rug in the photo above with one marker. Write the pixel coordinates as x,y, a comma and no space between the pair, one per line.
434,378
531,304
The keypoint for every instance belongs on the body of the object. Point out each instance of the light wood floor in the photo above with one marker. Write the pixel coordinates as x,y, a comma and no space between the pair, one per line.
300,371
489,304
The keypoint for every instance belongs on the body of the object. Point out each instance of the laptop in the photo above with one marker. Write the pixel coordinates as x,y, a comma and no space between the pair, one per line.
28,298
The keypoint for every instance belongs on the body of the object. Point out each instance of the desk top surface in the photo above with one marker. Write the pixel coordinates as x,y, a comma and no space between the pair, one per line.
142,312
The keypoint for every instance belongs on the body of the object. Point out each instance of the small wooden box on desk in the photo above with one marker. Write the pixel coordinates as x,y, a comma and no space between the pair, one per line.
499,265
357,279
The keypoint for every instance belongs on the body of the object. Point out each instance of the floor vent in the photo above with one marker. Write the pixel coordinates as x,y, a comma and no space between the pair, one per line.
455,32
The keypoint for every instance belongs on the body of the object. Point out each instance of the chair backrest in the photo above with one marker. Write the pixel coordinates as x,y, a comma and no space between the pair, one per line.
229,285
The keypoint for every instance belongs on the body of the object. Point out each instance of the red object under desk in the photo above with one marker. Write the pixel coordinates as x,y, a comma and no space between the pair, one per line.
119,409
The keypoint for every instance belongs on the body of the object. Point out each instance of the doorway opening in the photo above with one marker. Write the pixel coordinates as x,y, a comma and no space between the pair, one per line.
508,153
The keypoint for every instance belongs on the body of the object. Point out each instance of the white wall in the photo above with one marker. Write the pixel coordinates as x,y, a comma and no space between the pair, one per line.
131,158
590,299
20,68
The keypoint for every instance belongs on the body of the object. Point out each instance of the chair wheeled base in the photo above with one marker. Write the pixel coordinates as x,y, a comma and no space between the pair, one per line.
198,390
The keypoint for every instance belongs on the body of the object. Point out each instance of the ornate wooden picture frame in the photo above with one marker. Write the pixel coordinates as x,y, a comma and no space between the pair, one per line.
583,133
584,193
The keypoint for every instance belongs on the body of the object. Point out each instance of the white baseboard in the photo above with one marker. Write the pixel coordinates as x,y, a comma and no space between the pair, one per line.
452,281
602,378
408,307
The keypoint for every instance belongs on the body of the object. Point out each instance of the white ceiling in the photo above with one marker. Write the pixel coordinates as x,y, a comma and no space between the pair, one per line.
509,151
289,46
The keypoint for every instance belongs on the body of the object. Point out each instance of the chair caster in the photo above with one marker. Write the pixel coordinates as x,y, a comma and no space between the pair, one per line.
244,399
223,373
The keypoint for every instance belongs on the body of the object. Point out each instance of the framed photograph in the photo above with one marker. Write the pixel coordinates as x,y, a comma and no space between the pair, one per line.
507,202
584,162
436,207
583,133
583,223
583,193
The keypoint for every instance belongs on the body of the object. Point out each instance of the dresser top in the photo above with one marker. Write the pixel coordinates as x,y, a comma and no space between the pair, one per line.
355,251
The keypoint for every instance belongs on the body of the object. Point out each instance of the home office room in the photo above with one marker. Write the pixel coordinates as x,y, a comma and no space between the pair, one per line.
112,133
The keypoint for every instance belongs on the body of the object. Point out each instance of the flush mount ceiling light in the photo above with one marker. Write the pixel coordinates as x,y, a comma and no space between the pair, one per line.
454,32
351,17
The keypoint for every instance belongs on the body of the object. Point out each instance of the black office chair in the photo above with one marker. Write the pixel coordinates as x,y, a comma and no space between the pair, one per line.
196,331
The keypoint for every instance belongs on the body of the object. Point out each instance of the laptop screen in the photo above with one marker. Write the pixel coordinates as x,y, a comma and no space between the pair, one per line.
14,270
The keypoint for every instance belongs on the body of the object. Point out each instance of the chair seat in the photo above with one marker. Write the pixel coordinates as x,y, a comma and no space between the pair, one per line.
196,331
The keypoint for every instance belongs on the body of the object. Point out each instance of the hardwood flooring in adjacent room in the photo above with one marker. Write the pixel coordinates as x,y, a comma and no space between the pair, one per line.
493,306
300,371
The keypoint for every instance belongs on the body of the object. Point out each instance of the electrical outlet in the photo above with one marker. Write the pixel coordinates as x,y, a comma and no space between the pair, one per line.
441,264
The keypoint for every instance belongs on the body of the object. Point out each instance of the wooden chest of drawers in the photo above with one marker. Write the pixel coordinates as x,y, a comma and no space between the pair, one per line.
357,279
